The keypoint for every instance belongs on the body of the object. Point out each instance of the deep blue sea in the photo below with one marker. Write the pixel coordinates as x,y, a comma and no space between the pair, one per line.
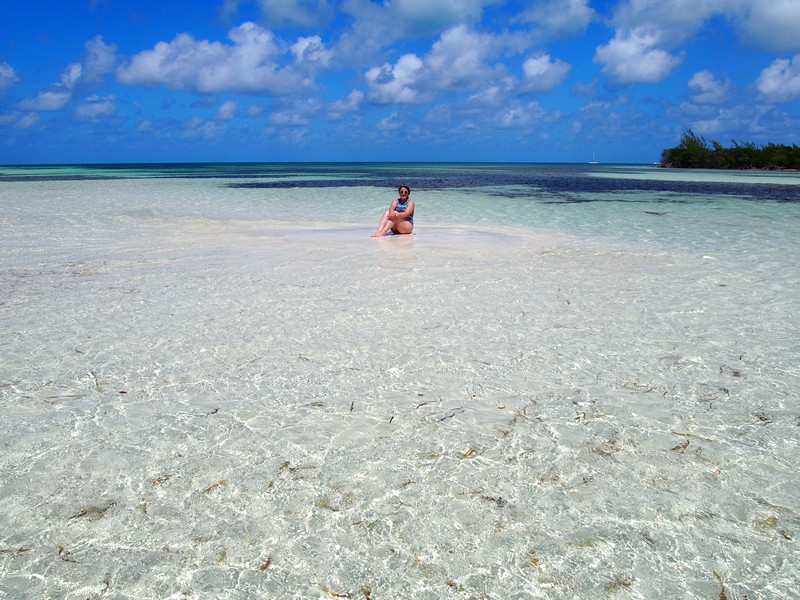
567,182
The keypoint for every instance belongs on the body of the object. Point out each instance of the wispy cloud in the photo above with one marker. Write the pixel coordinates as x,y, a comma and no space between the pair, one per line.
8,77
558,18
99,60
351,104
285,13
95,107
58,96
19,120
227,110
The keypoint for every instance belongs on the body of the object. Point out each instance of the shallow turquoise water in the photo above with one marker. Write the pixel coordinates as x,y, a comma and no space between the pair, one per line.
557,388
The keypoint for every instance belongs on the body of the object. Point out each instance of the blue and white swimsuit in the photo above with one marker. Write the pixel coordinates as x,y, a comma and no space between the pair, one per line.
401,207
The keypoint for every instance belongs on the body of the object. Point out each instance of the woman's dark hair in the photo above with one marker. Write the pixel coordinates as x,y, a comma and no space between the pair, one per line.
404,186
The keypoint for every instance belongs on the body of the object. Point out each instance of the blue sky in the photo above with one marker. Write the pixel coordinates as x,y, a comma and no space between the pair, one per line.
392,80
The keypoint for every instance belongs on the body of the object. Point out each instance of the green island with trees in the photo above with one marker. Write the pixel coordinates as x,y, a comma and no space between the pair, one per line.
694,152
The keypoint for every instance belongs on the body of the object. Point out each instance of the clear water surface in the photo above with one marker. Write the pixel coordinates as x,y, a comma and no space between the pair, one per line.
572,381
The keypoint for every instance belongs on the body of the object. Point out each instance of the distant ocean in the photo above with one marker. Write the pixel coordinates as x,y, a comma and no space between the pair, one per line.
550,178
572,381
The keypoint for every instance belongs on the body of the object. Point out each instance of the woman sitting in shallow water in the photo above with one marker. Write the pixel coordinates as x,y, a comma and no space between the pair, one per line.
400,216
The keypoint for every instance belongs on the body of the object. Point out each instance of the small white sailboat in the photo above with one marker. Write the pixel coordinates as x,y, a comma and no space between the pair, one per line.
593,161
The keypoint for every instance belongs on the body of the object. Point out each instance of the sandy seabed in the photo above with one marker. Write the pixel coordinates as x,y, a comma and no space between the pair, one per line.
216,409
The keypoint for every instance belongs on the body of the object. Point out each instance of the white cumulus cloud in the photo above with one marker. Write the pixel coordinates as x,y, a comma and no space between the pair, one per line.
71,75
255,110
649,32
705,88
770,25
635,58
519,116
227,110
199,128
492,96
379,24
46,101
249,65
95,107
289,118
296,114
669,22
312,52
392,122
458,60
101,58
351,104
780,82
541,73
396,83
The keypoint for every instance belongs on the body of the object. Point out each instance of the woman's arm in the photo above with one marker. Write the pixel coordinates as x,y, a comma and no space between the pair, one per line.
401,216
392,209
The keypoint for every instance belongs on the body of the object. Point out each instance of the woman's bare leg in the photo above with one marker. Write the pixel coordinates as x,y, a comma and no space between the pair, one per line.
381,224
384,226
403,227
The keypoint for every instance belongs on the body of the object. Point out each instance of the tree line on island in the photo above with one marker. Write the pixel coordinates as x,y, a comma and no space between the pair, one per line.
694,152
